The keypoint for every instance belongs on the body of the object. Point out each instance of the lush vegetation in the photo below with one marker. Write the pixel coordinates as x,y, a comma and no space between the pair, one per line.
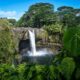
4,22
65,65
41,14
7,46
38,15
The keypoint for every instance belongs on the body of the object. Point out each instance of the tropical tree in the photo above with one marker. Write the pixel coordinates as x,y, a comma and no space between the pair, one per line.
38,15
68,15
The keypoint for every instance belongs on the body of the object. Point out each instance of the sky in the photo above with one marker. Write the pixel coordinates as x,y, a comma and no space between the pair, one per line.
16,8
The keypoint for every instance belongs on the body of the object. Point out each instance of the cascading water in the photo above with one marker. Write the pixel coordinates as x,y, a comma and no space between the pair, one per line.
32,42
42,56
33,51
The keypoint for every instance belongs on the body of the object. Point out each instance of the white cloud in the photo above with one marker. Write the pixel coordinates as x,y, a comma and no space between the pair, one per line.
10,14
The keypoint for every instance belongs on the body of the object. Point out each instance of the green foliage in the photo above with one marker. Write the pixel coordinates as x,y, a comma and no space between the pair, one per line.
71,41
39,72
78,73
28,72
67,67
54,28
6,45
39,6
21,69
8,72
5,23
69,20
12,21
38,15
65,8
68,16
41,14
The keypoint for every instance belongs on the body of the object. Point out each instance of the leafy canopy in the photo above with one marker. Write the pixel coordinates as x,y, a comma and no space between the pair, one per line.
38,15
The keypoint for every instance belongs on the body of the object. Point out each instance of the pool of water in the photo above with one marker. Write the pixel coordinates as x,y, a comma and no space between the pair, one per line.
43,60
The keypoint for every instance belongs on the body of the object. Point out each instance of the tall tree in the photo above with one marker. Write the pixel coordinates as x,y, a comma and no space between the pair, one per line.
38,15
68,15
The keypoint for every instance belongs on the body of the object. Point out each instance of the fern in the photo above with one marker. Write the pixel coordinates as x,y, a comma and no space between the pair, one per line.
71,41
67,67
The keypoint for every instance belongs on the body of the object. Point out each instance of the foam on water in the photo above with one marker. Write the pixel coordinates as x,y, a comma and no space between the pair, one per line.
41,52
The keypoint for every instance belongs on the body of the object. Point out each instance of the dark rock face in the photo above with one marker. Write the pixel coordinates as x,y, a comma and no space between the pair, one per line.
21,37
24,44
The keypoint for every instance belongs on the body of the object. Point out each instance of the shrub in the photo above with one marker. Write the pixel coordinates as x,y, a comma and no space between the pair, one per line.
71,41
54,28
7,45
67,67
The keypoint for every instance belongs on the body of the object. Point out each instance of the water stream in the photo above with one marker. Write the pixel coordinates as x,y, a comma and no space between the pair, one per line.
32,42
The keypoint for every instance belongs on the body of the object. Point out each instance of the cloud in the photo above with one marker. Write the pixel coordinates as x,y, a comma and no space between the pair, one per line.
7,13
10,14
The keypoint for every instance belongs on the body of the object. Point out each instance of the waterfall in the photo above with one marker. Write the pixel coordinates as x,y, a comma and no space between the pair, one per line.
33,51
40,56
32,42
